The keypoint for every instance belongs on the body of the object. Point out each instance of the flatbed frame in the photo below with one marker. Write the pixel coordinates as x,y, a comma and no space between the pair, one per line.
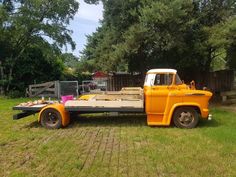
27,110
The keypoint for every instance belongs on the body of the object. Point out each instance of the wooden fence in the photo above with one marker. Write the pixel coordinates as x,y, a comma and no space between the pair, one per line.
117,81
217,81
221,80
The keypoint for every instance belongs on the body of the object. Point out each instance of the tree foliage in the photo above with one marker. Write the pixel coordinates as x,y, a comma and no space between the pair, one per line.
25,29
137,35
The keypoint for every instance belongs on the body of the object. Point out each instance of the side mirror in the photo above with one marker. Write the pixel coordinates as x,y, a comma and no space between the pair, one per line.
192,85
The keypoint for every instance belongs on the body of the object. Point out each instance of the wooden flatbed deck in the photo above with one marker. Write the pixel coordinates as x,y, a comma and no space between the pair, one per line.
127,100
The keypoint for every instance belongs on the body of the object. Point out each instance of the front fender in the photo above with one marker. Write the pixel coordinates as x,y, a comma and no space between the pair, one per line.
192,104
61,109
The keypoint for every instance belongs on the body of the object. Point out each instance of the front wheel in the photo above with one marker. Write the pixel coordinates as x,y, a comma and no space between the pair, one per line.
51,119
186,117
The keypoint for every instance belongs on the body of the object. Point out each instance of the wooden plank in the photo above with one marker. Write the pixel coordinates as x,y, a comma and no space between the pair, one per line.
231,96
41,85
131,89
107,109
109,104
224,98
228,93
46,95
57,89
231,101
47,90
118,97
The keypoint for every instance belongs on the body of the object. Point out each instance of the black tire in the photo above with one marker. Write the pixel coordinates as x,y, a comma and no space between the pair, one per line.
51,119
185,117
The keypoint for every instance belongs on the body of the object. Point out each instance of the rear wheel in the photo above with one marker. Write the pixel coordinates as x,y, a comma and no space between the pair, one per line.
51,119
186,117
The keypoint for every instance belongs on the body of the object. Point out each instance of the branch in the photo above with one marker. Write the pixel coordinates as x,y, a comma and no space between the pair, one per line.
26,37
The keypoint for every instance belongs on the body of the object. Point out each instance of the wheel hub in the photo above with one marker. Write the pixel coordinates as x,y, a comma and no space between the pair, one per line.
51,118
186,118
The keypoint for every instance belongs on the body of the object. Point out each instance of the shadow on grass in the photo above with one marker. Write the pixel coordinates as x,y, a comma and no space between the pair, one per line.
135,120
208,123
94,120
34,124
123,120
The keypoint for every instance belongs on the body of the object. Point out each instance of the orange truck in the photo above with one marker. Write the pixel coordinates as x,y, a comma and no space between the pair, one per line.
164,98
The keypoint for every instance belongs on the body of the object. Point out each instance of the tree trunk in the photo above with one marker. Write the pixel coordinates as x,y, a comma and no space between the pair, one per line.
209,60
9,79
13,61
1,79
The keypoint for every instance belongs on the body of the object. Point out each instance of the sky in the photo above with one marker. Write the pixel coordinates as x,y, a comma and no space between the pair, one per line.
85,22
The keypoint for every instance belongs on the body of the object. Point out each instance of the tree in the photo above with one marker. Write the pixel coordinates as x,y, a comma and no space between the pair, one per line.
24,23
39,63
101,47
223,37
70,60
140,34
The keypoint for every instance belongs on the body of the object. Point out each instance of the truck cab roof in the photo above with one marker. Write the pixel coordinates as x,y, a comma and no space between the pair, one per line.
162,71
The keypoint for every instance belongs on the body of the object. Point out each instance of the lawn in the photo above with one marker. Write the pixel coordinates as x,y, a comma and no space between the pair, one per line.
99,145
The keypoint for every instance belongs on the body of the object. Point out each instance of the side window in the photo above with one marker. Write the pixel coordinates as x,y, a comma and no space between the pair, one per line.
177,80
163,79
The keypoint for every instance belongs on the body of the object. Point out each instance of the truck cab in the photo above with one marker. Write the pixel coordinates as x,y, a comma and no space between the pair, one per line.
168,99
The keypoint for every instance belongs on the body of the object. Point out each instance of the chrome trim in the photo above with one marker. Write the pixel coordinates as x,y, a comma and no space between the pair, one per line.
194,94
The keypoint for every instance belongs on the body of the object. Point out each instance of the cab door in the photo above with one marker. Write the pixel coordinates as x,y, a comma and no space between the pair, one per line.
160,91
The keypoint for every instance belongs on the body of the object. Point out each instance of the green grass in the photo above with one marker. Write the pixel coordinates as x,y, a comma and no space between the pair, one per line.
116,146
